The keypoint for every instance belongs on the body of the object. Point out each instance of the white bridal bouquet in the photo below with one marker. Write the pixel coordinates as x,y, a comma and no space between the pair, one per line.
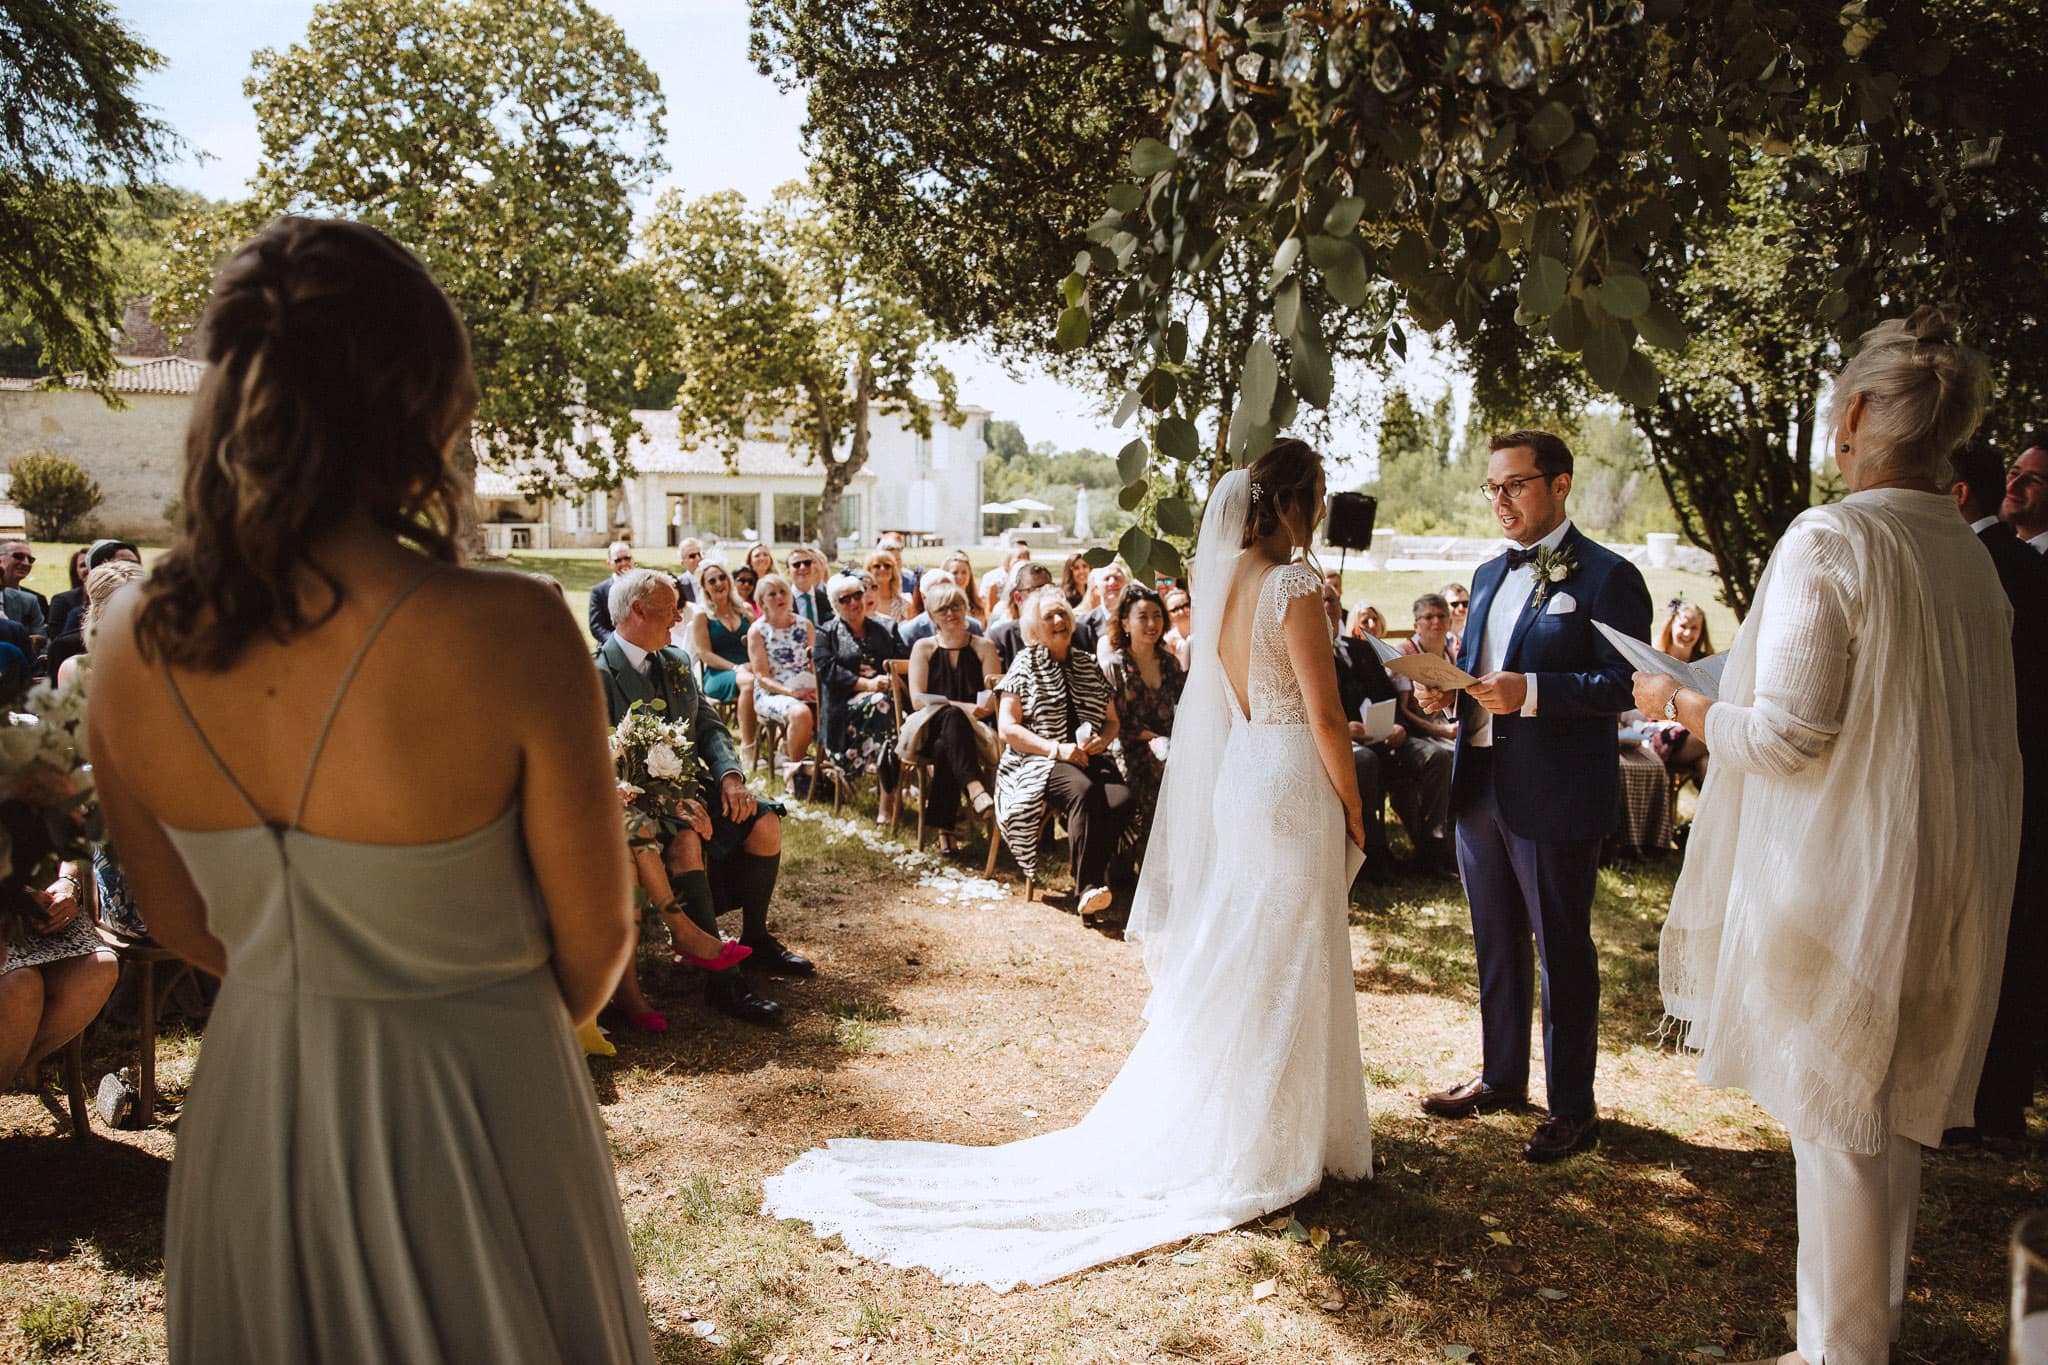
657,767
48,813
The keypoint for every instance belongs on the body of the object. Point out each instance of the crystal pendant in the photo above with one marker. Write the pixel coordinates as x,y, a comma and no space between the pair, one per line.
1250,67
1297,59
1981,153
1472,149
1388,70
1517,61
1195,86
1450,185
1242,136
1266,28
1226,88
1342,59
1159,65
1404,193
1852,160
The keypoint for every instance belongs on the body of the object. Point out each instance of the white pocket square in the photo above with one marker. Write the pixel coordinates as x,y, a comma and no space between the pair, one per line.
1560,603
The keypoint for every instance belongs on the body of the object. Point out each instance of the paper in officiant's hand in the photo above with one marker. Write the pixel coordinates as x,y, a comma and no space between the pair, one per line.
1432,670
1704,678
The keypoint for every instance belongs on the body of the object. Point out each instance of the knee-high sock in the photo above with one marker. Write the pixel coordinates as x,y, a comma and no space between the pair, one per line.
755,874
693,898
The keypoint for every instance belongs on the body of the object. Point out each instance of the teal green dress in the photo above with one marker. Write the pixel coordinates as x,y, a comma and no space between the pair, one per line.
722,684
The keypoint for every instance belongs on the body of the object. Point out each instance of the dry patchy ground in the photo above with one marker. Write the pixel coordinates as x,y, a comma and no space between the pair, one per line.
949,1008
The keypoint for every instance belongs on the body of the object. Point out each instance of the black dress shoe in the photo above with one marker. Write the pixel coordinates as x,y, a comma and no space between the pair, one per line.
1473,1097
1556,1138
770,956
729,994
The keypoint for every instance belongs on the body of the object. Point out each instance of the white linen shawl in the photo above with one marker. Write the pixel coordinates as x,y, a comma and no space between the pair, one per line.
1835,939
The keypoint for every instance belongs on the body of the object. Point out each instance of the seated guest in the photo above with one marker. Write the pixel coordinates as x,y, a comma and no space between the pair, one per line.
760,559
856,706
1835,941
53,978
1459,598
743,580
18,601
1105,585
1145,681
889,604
717,632
1432,616
1415,772
949,672
919,627
892,541
779,657
961,568
1073,580
1180,615
807,575
1007,634
71,601
1335,580
620,555
1367,621
1684,637
1058,721
738,839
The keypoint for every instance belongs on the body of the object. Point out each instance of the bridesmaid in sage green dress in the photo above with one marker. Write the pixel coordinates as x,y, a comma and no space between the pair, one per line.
370,790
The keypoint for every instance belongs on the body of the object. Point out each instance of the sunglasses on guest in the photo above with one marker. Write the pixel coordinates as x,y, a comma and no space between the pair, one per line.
851,595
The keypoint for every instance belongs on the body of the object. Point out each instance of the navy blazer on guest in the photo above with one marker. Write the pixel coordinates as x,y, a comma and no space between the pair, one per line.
601,610
1556,774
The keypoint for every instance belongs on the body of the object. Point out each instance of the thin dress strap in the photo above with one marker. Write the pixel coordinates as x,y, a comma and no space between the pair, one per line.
333,708
348,677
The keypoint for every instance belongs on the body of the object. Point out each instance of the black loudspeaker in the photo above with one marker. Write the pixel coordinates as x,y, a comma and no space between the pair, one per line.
1351,517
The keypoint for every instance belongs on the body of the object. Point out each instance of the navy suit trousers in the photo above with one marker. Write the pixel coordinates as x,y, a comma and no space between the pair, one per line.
1519,888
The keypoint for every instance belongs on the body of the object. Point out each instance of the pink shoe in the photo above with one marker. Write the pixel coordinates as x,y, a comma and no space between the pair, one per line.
649,1022
730,954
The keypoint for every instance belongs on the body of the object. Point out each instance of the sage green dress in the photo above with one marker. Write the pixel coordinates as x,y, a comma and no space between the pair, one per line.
390,1151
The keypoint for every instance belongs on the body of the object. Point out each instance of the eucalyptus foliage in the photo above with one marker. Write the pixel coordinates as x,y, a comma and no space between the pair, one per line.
1538,178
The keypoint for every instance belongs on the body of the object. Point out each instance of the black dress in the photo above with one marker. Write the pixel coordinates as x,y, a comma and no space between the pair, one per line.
949,741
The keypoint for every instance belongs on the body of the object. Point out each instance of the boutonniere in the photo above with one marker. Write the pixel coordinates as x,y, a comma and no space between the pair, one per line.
1553,566
674,672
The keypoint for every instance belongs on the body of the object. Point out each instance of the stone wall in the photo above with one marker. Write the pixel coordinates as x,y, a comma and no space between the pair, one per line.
138,455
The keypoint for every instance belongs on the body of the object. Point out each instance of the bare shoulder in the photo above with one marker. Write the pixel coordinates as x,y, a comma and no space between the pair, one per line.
507,625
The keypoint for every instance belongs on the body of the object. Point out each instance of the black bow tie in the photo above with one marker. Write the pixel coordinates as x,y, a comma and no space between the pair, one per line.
1517,558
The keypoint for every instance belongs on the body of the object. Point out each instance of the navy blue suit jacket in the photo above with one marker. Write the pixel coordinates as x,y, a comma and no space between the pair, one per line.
601,610
1556,774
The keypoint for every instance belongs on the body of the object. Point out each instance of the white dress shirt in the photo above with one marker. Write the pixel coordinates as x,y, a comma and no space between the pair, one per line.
1977,526
1501,616
635,655
2040,543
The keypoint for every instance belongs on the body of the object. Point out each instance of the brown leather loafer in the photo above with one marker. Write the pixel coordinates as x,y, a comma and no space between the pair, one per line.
1556,1138
1473,1097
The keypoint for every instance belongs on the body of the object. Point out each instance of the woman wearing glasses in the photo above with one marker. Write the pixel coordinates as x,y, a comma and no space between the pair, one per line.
1180,615
718,642
855,700
949,672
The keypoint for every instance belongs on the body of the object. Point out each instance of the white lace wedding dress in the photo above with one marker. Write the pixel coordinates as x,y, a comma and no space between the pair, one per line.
1246,1086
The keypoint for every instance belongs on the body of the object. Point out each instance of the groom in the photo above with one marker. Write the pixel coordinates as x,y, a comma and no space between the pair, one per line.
1535,784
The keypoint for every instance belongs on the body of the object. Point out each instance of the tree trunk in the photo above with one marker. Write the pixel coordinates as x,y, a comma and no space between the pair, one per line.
469,529
839,473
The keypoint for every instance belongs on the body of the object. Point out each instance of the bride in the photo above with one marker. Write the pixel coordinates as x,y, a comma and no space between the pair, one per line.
1246,1086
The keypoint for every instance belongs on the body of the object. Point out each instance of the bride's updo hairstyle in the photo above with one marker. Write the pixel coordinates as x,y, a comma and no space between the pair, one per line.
338,374
1922,389
1283,491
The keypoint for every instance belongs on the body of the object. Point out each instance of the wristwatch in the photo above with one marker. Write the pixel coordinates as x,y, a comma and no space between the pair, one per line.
1671,705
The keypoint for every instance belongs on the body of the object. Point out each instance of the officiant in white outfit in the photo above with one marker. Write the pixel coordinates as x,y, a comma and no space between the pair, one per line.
1835,941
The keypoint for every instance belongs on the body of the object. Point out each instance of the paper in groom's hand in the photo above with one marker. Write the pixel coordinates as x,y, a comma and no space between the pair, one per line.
1647,658
1431,670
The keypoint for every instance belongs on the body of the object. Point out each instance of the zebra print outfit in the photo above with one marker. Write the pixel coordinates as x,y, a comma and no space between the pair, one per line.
1043,687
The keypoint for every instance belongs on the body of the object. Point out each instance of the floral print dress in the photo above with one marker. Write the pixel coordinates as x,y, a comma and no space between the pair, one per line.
1140,707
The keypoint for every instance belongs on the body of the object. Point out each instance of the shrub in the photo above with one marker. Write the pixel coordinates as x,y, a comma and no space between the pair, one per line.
53,491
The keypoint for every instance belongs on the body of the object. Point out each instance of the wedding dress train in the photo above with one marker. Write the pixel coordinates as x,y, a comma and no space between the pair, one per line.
1246,1086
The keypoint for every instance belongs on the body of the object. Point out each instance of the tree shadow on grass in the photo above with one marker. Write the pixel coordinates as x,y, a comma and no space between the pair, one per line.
62,1191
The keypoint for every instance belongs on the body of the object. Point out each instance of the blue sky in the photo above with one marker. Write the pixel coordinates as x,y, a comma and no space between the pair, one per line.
728,127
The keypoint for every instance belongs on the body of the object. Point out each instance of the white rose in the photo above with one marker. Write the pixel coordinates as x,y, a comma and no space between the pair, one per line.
19,746
663,764
1558,573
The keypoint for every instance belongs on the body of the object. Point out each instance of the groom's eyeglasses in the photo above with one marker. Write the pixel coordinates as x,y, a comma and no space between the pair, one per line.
1511,488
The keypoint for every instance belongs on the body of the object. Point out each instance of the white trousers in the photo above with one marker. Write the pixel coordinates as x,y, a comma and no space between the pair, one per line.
1856,1218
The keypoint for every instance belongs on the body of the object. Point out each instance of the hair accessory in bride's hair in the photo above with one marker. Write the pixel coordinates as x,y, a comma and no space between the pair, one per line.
1256,491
